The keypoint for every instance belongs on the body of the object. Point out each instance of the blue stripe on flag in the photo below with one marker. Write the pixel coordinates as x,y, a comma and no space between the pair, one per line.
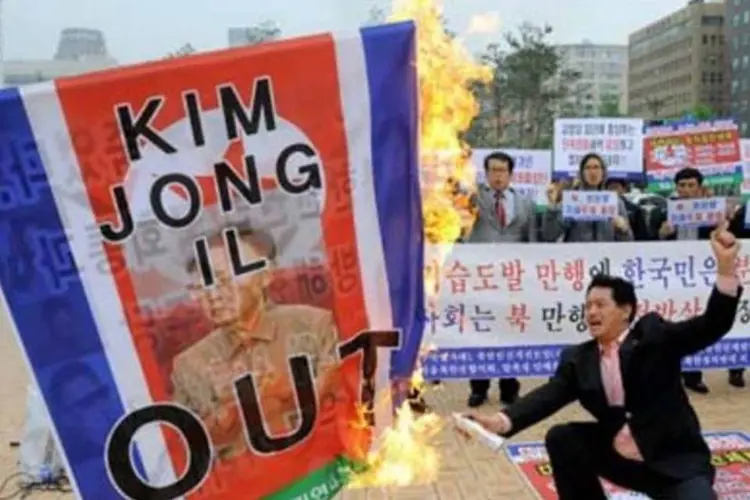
49,305
390,52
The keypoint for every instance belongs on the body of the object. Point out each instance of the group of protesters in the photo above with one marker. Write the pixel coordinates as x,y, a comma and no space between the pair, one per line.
504,215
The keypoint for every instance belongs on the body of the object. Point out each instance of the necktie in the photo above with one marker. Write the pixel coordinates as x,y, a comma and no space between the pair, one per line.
611,376
500,208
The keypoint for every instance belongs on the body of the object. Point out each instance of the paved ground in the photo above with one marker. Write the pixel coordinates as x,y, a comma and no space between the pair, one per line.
469,471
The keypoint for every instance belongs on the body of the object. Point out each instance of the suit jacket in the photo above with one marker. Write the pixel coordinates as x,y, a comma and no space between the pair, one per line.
737,224
487,229
661,419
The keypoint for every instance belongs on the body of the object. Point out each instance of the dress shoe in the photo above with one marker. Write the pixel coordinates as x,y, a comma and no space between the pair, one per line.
476,400
508,399
698,387
737,380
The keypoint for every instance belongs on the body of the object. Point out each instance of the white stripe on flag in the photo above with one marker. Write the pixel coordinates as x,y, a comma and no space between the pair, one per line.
352,73
53,140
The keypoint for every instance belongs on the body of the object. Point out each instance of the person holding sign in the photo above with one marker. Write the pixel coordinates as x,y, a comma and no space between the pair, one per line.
646,436
592,177
689,186
251,336
503,216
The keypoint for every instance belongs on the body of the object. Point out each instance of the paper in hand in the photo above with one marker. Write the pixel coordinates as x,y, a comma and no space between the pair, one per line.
476,431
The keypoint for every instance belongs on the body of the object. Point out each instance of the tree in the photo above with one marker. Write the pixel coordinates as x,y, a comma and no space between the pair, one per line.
609,106
265,31
701,112
376,16
530,86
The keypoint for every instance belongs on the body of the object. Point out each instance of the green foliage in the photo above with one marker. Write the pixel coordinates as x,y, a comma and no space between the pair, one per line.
529,88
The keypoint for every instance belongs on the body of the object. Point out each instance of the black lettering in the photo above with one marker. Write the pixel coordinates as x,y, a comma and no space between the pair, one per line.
240,268
157,203
122,208
226,176
139,126
204,262
368,342
261,106
120,465
311,171
193,109
307,406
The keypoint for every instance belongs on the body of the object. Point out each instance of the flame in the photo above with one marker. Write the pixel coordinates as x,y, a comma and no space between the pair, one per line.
406,453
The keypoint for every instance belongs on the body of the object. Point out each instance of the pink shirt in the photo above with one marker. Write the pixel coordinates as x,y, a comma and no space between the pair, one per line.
624,443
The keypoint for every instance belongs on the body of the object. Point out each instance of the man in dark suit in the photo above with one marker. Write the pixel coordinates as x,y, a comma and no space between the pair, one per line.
504,215
646,436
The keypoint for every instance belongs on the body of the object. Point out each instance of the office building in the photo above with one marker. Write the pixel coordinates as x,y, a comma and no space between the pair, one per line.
604,72
677,64
737,30
79,51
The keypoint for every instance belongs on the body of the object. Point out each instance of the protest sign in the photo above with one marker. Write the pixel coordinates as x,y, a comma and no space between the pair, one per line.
619,141
531,175
145,243
710,146
700,212
506,310
745,146
730,454
589,205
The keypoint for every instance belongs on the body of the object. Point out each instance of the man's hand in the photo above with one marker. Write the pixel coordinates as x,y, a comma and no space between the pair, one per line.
726,248
497,423
621,224
666,230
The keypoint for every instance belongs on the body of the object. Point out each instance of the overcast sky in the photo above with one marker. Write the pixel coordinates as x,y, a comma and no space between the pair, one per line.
137,30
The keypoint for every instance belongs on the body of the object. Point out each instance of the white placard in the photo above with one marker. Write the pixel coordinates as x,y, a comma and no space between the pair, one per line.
589,205
619,141
699,212
745,147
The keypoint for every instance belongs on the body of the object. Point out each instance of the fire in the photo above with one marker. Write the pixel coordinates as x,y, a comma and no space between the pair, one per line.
406,453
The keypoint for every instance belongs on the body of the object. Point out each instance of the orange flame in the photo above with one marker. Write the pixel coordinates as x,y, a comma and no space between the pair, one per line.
406,452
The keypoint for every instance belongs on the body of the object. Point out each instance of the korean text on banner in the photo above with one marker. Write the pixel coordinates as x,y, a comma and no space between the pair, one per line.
745,147
507,310
619,141
712,147
531,175
589,205
730,454
213,244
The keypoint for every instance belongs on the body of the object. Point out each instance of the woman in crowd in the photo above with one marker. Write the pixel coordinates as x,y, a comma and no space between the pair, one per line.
592,176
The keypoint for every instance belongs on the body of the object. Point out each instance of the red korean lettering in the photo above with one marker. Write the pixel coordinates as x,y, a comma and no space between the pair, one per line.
666,309
643,307
691,308
547,274
513,272
573,271
519,317
486,275
458,274
743,268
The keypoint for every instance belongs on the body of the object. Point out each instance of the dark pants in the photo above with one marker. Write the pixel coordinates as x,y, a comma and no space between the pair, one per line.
697,377
580,453
509,387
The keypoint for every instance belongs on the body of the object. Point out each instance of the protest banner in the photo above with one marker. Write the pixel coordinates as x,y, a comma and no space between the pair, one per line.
506,310
590,205
710,146
619,141
531,175
730,454
700,212
745,190
147,218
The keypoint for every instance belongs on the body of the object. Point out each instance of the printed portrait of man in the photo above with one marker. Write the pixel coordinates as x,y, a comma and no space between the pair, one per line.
250,335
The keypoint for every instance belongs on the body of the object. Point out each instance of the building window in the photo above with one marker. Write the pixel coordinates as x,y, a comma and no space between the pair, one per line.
736,20
746,17
744,128
712,20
